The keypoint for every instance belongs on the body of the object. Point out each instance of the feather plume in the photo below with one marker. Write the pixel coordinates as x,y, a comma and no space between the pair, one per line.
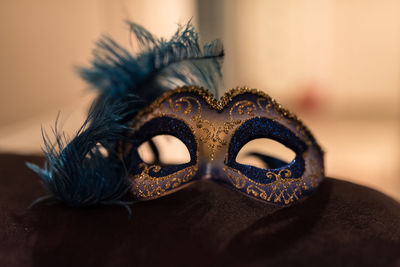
117,73
86,170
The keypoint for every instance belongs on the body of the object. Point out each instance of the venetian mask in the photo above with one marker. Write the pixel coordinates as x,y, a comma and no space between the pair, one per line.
214,132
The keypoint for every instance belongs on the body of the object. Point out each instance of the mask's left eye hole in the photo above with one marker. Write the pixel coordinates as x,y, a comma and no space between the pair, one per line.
164,150
265,153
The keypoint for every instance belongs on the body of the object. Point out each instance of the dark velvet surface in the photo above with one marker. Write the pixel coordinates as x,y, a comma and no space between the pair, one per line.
343,224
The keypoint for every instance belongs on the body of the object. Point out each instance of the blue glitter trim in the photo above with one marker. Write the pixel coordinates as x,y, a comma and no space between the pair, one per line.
159,126
265,128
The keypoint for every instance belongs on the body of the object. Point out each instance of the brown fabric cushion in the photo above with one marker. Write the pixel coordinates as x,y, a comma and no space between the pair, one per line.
343,224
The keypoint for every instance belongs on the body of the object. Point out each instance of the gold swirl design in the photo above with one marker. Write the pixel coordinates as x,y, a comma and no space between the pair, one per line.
176,106
147,186
210,134
257,192
264,107
241,106
284,188
285,173
213,135
269,106
225,100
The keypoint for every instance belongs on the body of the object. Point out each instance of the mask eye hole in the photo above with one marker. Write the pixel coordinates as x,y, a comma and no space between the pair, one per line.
265,153
164,150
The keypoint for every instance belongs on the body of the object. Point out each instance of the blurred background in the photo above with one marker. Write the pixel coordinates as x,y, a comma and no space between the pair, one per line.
335,63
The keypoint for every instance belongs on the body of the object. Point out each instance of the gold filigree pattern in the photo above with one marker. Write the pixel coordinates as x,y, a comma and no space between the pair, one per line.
147,186
177,106
225,100
242,106
211,133
284,189
237,181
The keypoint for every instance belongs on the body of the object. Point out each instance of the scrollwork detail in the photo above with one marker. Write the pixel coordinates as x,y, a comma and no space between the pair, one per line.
147,186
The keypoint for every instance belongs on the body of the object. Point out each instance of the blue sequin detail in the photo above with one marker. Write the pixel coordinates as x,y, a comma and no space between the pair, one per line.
265,128
159,126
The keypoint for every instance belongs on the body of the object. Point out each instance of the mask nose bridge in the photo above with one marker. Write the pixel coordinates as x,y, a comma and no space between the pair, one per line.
209,170
212,135
205,171
212,156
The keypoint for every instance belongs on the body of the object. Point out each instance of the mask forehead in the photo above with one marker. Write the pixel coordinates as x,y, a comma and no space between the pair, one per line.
213,122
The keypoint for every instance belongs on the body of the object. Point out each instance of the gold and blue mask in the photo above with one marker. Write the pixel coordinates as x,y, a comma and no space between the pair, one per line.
160,92
214,132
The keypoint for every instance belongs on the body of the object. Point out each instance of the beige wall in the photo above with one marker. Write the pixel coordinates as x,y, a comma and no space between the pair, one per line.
348,50
366,57
42,40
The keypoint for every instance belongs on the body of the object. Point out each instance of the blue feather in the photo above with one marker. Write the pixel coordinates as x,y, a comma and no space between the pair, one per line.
116,72
87,170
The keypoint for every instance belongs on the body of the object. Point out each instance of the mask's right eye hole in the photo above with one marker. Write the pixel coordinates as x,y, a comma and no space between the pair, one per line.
164,150
265,153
